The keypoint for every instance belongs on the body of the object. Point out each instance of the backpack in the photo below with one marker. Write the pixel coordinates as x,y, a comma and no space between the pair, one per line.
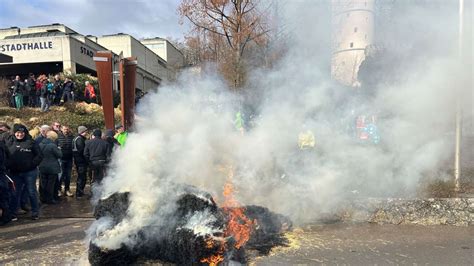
50,87
74,144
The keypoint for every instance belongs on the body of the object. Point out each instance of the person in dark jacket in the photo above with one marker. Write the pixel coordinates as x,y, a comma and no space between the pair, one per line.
4,132
78,145
58,89
112,142
31,83
25,156
49,167
96,154
5,135
44,95
65,139
68,90
18,92
5,187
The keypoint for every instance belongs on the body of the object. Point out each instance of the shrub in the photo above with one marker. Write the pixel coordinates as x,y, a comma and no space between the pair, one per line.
32,117
4,92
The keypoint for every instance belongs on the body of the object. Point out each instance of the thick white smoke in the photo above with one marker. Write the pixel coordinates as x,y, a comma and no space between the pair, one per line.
186,133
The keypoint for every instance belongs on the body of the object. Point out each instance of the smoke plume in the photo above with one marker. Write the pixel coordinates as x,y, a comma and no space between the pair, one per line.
186,133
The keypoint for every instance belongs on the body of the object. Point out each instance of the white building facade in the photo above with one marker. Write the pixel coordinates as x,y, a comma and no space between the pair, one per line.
352,33
50,49
46,50
152,70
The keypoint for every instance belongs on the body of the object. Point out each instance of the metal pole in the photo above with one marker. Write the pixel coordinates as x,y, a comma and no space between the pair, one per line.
457,154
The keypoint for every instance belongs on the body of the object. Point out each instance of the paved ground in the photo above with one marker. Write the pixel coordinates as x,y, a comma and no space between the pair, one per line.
58,238
368,244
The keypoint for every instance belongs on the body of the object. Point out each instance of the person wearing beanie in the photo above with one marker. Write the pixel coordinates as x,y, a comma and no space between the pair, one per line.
96,153
49,168
25,156
78,145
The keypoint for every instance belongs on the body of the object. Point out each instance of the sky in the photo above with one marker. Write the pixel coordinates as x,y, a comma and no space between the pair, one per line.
142,18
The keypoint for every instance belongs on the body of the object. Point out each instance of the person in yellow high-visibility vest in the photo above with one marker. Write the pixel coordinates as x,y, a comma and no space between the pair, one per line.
239,122
306,140
121,135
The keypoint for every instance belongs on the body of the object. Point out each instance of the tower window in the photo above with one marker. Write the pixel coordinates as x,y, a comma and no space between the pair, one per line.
351,44
355,29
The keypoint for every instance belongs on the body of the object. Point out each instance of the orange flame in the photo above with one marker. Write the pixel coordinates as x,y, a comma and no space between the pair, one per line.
238,225
214,259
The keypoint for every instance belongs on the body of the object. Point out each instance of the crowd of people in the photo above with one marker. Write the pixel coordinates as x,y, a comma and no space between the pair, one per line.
45,91
49,152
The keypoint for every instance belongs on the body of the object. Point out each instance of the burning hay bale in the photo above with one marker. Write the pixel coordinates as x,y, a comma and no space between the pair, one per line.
269,228
182,239
195,233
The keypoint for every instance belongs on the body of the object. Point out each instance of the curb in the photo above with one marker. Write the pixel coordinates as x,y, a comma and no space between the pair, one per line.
440,211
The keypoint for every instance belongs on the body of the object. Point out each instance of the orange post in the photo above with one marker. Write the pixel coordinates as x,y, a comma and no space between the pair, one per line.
128,71
103,62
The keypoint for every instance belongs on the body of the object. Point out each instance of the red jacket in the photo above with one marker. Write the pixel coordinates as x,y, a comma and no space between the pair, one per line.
89,92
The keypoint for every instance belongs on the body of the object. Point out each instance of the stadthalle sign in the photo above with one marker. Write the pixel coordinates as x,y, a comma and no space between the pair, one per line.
26,46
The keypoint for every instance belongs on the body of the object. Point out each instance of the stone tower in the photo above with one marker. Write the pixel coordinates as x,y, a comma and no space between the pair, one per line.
352,33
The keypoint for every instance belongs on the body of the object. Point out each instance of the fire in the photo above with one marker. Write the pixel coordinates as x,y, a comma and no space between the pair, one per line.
238,226
213,260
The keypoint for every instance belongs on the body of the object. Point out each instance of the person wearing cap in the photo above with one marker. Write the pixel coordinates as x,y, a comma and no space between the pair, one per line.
78,145
49,168
25,156
96,153
121,135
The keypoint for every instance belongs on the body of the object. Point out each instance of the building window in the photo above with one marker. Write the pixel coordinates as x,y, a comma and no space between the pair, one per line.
348,14
355,29
366,36
351,44
365,3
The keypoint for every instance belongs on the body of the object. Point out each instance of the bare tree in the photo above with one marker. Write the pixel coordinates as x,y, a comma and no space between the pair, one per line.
229,27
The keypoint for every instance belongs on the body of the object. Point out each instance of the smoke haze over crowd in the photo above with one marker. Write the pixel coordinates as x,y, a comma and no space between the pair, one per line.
185,132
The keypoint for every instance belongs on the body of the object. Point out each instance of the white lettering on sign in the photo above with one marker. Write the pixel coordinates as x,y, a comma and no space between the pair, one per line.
26,46
100,59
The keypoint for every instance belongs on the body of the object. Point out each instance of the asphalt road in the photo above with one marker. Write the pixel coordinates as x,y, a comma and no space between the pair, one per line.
368,244
59,238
